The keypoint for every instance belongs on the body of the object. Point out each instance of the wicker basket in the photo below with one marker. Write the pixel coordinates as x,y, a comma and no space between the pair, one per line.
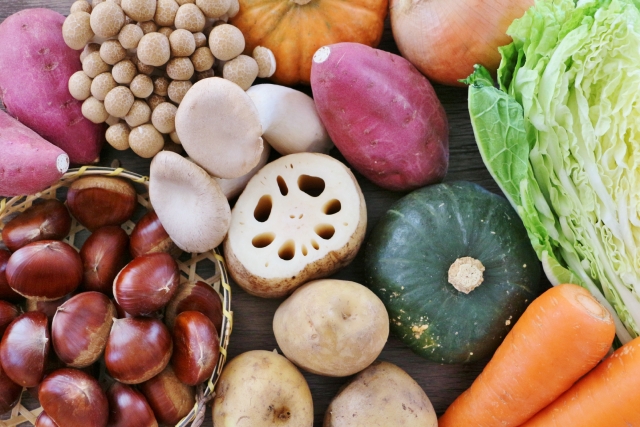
208,267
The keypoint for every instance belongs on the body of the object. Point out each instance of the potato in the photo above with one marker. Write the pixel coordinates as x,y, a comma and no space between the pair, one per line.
260,389
35,67
382,114
382,395
332,327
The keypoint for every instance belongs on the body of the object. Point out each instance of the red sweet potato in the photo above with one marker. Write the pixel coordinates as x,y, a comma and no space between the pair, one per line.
28,163
35,66
382,114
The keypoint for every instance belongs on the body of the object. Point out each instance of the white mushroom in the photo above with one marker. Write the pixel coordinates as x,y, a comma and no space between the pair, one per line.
219,127
289,119
233,187
189,203
301,217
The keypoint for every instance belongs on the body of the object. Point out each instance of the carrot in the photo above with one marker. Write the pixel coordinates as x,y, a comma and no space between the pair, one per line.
607,396
562,335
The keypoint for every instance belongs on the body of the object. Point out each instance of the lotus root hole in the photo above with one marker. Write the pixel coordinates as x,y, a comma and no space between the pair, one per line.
315,245
304,250
284,190
326,231
312,185
333,206
263,208
263,240
287,251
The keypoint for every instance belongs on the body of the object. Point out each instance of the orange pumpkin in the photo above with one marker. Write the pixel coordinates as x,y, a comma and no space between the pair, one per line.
295,29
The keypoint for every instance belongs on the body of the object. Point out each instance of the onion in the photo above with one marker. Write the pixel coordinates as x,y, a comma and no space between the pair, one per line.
444,39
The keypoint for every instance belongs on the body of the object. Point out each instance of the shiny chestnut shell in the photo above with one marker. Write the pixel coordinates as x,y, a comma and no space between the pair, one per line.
170,399
8,312
103,255
45,270
44,420
196,347
96,201
146,284
73,398
129,408
149,236
81,327
25,347
6,293
49,220
138,348
9,392
195,296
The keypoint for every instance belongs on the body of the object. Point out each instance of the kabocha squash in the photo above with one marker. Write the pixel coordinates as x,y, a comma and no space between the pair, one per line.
452,233
295,29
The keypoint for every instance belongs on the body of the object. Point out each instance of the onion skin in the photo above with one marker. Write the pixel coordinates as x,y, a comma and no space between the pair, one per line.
6,293
49,220
9,392
8,312
195,296
128,408
45,270
103,255
149,236
196,347
170,399
445,39
96,201
137,349
73,398
81,327
24,348
146,284
45,420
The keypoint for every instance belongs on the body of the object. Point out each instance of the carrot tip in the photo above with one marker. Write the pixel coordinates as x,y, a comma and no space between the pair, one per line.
592,306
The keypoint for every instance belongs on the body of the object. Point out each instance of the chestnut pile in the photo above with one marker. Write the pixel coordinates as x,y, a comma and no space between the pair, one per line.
117,303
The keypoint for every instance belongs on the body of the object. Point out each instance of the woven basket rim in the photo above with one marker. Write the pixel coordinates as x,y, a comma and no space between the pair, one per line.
20,414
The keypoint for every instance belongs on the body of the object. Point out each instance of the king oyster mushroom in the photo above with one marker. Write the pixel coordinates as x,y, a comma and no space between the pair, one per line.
301,217
190,204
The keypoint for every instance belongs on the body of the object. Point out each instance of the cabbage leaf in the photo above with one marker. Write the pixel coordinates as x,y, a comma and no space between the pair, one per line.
560,133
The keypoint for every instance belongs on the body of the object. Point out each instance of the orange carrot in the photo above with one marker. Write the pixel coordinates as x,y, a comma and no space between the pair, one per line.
560,337
608,396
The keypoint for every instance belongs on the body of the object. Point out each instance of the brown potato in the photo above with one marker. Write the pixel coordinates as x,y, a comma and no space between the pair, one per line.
332,327
380,396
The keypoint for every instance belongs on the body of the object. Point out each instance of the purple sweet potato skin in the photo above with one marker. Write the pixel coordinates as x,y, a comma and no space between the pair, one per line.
28,163
35,66
383,116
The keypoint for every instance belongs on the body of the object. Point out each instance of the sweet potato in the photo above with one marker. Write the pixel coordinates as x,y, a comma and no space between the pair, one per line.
35,66
382,114
28,163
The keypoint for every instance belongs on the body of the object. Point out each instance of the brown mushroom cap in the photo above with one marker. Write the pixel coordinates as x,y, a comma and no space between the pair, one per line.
107,18
219,127
139,10
178,189
80,85
154,49
130,36
76,30
166,12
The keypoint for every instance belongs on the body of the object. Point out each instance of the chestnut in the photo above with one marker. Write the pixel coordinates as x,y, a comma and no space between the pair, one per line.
49,220
170,399
73,398
45,420
146,284
8,312
103,255
149,236
96,201
81,327
138,348
128,408
24,348
196,347
45,270
195,296
47,307
6,293
9,392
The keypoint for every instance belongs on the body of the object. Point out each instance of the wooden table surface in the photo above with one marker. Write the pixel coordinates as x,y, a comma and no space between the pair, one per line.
253,316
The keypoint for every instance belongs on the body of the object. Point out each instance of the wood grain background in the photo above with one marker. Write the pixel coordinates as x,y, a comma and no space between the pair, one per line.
253,316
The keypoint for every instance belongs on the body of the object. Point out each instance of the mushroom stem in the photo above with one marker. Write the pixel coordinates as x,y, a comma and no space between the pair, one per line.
465,274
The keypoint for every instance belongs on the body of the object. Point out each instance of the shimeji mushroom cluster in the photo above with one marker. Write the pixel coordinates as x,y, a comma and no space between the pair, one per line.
140,57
